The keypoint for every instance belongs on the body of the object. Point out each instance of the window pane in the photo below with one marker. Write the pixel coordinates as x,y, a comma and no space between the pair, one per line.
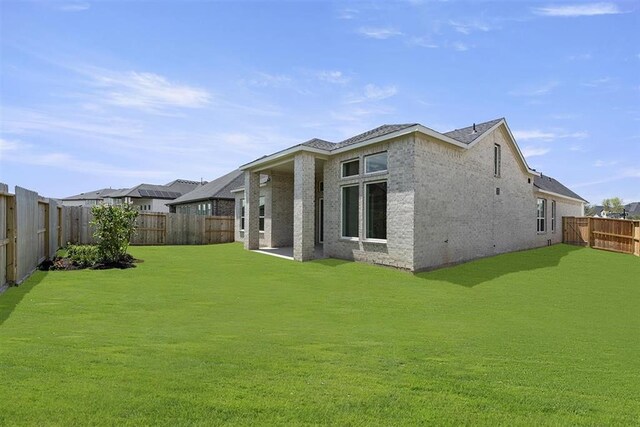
375,163
351,168
350,197
377,210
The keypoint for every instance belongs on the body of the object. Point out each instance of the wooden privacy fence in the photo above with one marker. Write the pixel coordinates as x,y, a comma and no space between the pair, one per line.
617,235
156,228
30,232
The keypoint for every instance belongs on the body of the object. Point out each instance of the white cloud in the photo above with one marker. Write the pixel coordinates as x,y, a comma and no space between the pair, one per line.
348,13
597,82
374,92
539,90
146,91
266,79
74,7
535,151
7,145
573,10
605,163
422,42
378,33
469,26
536,134
459,46
580,57
333,77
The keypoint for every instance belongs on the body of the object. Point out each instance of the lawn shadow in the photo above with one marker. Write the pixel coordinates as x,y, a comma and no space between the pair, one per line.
483,270
11,297
331,262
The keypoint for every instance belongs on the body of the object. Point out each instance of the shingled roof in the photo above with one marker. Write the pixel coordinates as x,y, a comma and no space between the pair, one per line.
219,188
552,185
469,134
92,195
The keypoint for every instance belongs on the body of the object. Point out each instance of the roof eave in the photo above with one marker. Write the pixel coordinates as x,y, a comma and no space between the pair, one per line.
563,196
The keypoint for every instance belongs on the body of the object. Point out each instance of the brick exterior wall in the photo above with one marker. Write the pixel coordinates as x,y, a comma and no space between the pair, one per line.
442,204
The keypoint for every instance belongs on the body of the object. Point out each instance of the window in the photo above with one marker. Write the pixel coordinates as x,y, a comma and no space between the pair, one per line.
496,160
553,216
350,168
542,211
350,211
241,214
261,225
376,195
375,163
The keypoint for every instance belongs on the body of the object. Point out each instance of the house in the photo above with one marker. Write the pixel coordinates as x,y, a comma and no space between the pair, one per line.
631,211
151,197
404,196
89,198
214,198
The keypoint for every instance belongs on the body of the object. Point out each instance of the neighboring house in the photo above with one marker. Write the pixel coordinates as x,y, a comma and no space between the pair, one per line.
89,198
404,196
631,211
145,197
214,198
151,197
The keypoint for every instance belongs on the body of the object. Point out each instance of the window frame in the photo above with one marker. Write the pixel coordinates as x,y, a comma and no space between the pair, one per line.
241,216
342,236
497,160
344,163
366,212
368,156
553,216
262,201
542,218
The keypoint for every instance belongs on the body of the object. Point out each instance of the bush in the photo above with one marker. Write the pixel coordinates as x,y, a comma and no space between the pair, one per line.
83,256
114,226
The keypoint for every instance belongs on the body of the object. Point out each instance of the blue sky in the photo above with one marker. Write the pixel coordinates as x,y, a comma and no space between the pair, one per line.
115,93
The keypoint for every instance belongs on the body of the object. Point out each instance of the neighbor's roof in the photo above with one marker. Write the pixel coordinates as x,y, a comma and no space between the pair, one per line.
92,195
546,183
219,188
170,191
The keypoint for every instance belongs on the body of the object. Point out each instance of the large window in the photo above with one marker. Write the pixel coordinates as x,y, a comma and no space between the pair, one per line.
375,163
261,223
496,160
553,216
350,211
376,220
542,212
350,168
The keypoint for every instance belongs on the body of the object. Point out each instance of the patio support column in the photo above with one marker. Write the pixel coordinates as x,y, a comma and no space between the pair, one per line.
304,195
251,210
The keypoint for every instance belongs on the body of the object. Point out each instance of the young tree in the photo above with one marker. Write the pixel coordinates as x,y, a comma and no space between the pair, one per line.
613,205
114,226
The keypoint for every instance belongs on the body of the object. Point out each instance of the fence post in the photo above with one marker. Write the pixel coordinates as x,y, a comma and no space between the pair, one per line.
590,232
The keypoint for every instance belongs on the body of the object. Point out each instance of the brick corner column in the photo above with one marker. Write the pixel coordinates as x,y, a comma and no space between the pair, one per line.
252,210
304,207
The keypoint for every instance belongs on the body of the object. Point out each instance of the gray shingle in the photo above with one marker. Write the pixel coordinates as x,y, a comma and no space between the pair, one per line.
219,188
373,133
547,183
319,143
467,135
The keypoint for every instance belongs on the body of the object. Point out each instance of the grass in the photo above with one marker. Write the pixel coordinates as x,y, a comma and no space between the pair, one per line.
219,335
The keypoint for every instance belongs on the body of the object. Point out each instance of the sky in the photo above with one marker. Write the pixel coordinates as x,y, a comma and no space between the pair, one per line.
98,94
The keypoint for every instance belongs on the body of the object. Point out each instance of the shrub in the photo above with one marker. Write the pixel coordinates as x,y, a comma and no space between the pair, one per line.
83,256
114,226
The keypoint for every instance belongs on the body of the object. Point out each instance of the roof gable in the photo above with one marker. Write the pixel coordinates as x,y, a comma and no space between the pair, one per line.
219,188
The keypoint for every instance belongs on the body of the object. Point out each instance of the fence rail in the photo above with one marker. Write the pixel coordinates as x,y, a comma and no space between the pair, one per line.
156,228
617,235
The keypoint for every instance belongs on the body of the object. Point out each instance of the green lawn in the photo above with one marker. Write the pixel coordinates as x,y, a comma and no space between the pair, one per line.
216,334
